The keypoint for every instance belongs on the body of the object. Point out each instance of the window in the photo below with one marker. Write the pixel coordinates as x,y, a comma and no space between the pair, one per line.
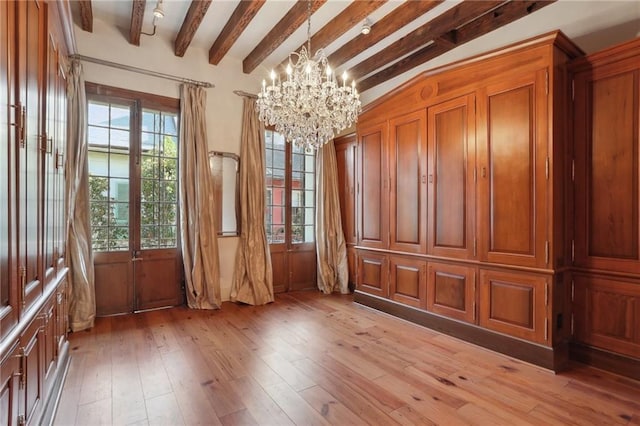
290,192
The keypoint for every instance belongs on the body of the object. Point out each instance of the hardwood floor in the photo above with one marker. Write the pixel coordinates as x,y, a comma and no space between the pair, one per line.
310,359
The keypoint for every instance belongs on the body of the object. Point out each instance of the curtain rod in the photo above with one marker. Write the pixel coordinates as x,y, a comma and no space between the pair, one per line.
141,70
243,93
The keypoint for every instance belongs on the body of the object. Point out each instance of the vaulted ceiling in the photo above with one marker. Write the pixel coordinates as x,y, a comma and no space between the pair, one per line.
404,34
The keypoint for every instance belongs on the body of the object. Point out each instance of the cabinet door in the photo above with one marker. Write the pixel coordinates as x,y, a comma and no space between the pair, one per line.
514,304
346,162
49,172
32,398
606,120
9,385
59,151
452,139
31,37
353,266
62,317
373,273
607,314
451,291
407,281
408,182
10,114
512,164
373,207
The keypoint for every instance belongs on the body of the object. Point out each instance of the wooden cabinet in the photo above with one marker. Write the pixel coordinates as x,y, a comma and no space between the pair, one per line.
408,281
452,291
33,324
463,169
373,273
606,147
452,142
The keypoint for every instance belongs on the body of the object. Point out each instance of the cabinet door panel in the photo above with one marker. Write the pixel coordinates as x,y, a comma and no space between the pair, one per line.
607,314
408,171
373,272
514,304
373,197
451,129
407,283
512,172
606,131
353,266
346,162
9,384
33,369
451,291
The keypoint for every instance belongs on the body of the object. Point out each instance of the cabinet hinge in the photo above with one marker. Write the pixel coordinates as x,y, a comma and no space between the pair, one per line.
546,168
546,252
573,170
573,290
22,274
475,174
573,90
573,250
546,329
21,420
20,373
19,122
546,294
59,160
475,247
572,324
546,87
45,143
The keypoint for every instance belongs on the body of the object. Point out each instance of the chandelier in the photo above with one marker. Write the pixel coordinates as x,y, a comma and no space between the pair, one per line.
310,105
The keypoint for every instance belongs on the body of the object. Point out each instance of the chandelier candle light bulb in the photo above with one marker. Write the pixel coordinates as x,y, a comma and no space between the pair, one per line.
310,106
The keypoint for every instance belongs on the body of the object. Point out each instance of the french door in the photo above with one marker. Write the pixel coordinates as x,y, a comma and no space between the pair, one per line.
133,191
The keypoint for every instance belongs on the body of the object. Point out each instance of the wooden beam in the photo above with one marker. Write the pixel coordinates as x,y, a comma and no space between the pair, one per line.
86,15
449,20
190,25
351,16
137,15
236,24
505,14
390,23
294,18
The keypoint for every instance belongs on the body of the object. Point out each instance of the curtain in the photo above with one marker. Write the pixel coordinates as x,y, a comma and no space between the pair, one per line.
331,247
253,276
82,303
197,226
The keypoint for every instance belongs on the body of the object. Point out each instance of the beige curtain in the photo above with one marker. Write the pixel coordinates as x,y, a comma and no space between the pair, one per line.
253,276
197,225
82,305
331,247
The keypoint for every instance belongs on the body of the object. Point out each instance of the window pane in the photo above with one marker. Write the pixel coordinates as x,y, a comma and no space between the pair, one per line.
98,113
119,165
119,117
98,136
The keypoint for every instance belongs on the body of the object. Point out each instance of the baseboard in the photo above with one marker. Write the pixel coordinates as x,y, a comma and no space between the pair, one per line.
605,360
51,406
550,358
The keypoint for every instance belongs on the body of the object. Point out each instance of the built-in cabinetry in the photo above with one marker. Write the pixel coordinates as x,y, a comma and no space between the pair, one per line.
33,287
346,161
606,234
461,202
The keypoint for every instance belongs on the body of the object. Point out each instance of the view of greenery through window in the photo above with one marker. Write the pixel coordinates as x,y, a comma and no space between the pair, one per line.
110,148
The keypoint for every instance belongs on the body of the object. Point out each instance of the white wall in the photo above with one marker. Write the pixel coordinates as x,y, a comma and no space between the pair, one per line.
224,108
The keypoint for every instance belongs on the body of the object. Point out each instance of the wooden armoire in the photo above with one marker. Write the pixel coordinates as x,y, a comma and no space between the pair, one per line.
606,230
461,206
33,287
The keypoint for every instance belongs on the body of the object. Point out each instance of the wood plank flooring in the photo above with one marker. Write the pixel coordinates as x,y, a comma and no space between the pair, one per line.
310,359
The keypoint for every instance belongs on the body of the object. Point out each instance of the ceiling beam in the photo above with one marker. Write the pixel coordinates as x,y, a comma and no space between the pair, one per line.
449,20
190,25
236,24
86,15
351,16
137,15
505,14
390,23
294,18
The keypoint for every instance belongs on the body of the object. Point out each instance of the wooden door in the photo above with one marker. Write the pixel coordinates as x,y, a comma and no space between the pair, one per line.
512,124
451,291
373,187
452,141
408,281
407,151
346,156
373,273
33,351
607,133
9,384
515,303
31,49
10,130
